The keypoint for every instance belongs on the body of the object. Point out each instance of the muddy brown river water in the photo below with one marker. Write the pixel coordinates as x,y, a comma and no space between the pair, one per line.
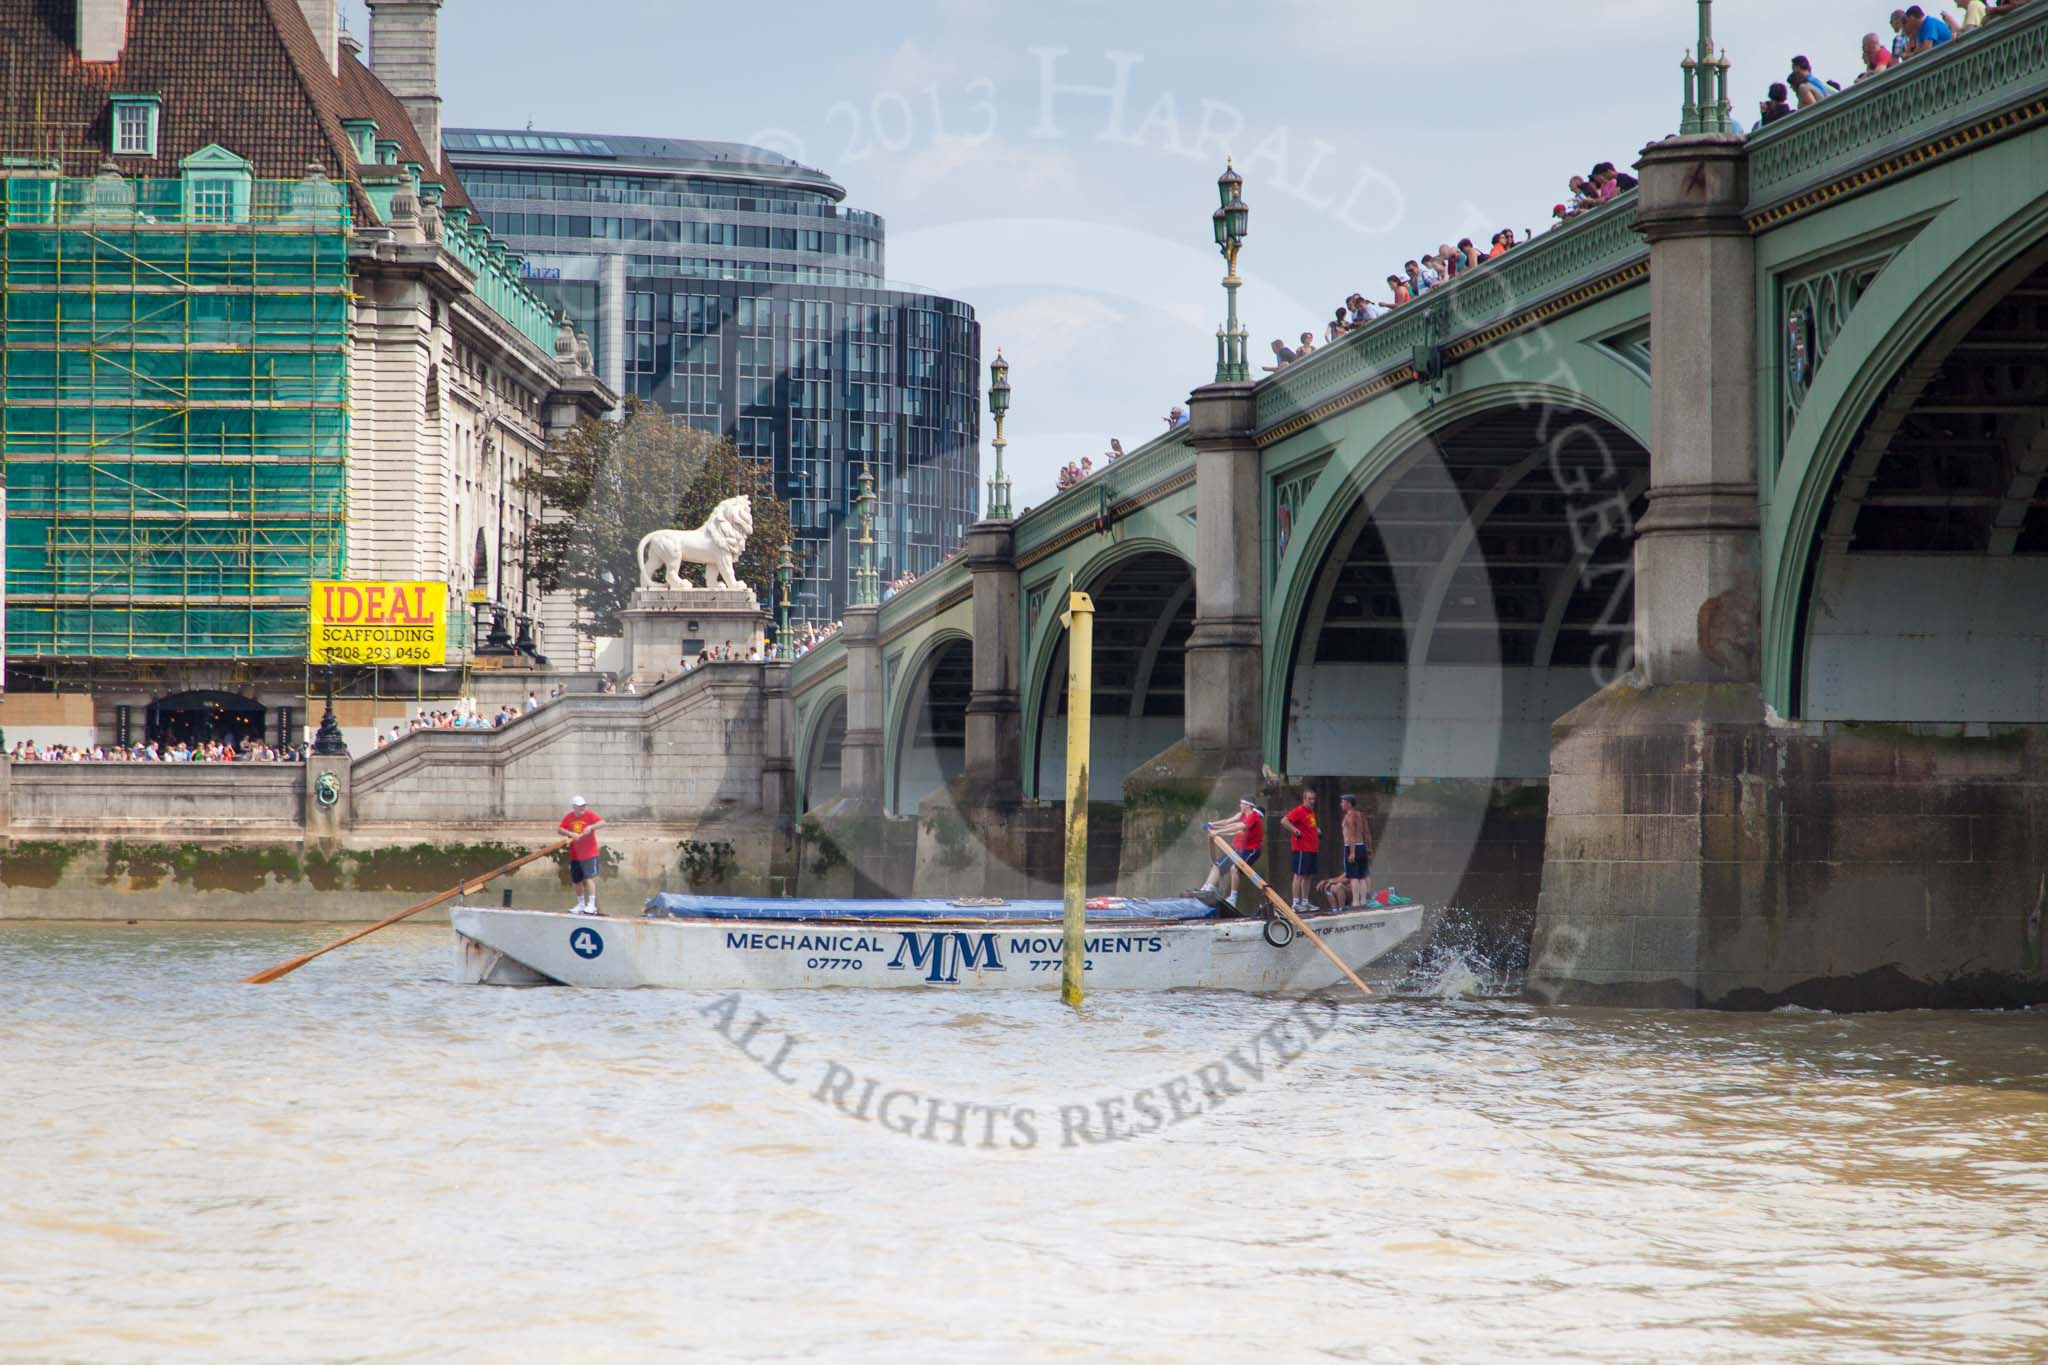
364,1162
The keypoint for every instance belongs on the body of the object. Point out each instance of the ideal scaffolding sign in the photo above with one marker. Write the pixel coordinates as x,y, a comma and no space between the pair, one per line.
378,623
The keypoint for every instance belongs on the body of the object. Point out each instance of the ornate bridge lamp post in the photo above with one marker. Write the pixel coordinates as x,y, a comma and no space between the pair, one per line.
327,740
867,590
1706,84
1230,221
785,648
998,408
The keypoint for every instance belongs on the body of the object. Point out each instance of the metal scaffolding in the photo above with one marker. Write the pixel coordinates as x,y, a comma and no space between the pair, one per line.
173,412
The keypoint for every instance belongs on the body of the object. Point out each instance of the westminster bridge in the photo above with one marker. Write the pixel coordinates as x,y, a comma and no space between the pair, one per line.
1676,577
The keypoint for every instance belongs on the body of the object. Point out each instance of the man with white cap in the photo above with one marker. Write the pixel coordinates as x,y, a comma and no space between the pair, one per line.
581,825
1247,832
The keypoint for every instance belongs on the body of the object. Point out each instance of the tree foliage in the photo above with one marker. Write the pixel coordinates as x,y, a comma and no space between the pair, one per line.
604,484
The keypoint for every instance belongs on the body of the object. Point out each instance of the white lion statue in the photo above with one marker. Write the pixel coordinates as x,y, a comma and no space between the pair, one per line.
717,545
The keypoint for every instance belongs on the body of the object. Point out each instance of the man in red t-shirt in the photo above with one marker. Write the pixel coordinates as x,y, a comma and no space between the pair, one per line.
1247,834
582,822
1300,824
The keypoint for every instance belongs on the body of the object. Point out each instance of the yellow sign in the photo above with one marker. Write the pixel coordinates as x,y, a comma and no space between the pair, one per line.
478,596
377,623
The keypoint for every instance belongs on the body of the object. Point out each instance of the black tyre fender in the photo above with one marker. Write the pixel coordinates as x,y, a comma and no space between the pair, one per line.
1279,932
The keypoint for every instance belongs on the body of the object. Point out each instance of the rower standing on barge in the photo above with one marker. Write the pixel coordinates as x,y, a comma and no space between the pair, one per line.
1247,830
581,825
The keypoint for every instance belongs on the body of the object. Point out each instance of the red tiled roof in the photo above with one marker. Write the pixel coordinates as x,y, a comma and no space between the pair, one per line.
246,74
367,97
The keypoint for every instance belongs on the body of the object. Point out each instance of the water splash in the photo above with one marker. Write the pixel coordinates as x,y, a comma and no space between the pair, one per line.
1465,955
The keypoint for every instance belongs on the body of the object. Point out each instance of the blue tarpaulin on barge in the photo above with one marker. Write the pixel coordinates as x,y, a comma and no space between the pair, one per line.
767,908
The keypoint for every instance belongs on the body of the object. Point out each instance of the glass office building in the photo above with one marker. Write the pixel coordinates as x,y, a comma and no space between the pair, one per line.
729,285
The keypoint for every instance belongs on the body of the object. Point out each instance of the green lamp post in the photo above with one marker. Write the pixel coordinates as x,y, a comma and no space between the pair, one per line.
998,408
1229,221
785,648
867,588
1706,107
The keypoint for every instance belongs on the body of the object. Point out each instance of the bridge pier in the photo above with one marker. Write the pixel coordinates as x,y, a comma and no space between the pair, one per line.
1653,781
995,717
1701,851
1167,797
1225,676
860,772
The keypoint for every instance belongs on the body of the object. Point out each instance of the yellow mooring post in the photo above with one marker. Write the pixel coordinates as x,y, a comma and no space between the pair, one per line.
1080,623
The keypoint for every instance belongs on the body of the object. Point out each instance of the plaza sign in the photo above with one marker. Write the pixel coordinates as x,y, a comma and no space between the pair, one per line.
377,623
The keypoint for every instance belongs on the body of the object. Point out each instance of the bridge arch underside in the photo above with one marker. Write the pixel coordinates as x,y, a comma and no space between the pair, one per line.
1478,590
931,738
822,756
1144,611
1926,580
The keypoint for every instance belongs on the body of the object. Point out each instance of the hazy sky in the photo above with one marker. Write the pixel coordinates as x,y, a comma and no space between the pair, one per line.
1054,163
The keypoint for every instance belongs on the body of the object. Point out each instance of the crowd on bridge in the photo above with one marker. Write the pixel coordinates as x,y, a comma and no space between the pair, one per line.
155,751
904,580
1075,471
1430,268
1425,271
811,635
1914,33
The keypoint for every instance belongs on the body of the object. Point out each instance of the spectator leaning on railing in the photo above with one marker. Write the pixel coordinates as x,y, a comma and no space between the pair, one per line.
1925,32
1877,57
1774,107
1809,88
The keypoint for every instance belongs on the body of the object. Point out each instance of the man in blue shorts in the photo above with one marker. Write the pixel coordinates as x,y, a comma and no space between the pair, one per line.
1357,852
581,825
1304,846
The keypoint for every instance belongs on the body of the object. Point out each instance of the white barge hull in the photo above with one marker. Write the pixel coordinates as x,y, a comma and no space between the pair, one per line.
531,947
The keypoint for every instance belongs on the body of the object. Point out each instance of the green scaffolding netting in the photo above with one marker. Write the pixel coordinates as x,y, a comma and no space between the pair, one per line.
173,416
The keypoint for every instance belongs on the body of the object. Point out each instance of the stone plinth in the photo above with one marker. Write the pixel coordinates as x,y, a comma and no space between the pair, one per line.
666,627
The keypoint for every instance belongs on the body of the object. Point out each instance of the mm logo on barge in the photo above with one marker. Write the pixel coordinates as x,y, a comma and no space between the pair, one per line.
942,955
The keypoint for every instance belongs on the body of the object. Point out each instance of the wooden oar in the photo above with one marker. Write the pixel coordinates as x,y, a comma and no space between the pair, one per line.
1285,909
473,884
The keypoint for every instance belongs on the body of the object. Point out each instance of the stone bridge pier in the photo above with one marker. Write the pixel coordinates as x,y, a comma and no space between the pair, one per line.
1699,850
1647,836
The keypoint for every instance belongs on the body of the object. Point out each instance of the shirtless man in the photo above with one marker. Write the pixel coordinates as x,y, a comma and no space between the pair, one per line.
1357,835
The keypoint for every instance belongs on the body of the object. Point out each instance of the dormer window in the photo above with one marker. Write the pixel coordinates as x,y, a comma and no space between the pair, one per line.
217,184
362,136
135,118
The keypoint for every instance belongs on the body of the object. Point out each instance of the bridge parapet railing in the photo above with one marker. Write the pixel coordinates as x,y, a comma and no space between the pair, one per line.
1979,75
907,603
1159,459
1588,248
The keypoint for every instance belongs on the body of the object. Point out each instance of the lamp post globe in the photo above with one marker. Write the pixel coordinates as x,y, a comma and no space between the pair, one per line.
998,385
1229,185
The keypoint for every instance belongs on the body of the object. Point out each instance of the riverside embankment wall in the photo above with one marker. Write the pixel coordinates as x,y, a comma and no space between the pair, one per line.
691,778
